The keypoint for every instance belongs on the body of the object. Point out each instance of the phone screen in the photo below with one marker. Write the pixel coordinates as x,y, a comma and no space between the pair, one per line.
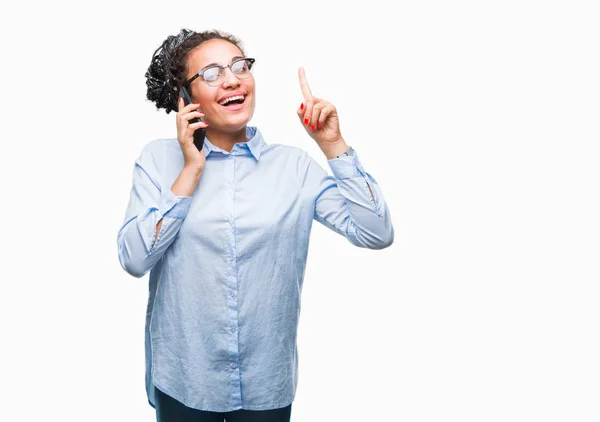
199,133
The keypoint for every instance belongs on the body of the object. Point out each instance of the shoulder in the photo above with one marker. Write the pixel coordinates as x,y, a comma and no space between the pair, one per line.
159,146
157,151
291,157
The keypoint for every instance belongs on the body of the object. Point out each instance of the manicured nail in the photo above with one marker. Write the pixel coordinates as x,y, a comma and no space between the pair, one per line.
312,127
320,125
302,106
305,121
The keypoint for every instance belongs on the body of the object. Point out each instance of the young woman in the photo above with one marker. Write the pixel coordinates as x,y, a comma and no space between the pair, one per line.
224,232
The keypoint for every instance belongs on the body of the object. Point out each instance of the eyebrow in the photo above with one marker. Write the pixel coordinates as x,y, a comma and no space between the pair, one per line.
217,64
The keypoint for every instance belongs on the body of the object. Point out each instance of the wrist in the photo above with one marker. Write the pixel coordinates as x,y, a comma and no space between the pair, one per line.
186,183
193,170
335,149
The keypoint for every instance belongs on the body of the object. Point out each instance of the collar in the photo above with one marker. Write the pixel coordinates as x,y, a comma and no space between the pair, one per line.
254,144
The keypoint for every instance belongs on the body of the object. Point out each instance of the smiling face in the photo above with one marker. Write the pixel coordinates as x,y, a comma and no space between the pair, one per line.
231,117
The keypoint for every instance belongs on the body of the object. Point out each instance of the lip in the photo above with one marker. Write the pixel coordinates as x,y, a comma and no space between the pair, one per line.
232,94
234,107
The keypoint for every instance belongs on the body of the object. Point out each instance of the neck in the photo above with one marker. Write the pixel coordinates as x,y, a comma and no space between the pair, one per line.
226,140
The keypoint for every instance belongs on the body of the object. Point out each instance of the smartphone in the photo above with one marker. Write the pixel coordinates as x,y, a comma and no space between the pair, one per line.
199,133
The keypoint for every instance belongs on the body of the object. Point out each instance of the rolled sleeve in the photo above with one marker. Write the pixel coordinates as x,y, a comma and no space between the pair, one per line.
346,167
174,206
344,203
151,200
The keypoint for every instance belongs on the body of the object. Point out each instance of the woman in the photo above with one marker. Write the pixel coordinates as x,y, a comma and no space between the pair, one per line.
224,233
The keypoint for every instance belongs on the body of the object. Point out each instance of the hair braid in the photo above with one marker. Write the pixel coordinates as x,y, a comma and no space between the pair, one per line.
168,68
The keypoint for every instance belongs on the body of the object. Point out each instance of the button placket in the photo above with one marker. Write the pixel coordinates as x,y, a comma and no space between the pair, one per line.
231,326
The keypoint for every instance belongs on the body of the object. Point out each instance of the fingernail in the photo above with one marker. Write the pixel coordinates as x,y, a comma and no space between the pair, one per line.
312,127
305,121
302,106
319,125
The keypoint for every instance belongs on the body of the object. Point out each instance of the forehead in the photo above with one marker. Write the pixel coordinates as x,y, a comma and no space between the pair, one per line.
212,51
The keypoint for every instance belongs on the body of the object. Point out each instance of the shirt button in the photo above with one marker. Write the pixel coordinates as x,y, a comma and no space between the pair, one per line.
233,365
232,294
233,329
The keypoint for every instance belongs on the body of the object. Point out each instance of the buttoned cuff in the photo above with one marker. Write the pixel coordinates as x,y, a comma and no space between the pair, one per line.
346,167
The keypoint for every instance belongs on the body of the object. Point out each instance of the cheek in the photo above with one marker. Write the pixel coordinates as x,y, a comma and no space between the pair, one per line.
206,101
253,95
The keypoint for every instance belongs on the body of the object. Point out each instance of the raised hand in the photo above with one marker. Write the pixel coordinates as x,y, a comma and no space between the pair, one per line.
320,119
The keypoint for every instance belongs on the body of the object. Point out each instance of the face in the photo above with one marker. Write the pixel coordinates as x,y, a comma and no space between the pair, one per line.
226,118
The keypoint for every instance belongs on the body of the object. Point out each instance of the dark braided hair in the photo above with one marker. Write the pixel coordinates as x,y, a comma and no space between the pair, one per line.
168,68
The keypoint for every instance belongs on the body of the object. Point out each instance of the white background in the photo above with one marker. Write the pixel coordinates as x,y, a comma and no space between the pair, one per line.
479,120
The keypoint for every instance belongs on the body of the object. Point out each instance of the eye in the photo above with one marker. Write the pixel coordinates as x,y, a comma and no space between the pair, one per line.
211,74
239,66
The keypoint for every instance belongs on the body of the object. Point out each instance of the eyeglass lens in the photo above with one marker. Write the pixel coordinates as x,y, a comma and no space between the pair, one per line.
241,68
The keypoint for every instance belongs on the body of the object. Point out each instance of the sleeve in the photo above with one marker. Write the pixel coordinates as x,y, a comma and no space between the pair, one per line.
344,204
149,201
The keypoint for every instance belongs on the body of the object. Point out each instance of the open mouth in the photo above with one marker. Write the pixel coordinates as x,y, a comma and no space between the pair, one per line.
233,102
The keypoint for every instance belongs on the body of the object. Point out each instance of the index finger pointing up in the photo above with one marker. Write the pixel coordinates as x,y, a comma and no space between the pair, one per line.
304,85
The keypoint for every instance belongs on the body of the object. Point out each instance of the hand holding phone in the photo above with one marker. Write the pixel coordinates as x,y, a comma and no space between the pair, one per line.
200,132
189,134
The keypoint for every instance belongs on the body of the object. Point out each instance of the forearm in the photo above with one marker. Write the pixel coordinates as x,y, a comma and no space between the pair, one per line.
337,148
365,223
351,203
153,219
332,150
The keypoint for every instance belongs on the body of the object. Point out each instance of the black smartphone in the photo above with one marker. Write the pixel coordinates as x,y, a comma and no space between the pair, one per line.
199,133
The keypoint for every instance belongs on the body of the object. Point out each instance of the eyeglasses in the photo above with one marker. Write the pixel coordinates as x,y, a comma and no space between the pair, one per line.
214,75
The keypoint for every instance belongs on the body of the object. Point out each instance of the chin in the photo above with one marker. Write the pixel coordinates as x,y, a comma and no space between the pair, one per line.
238,122
235,125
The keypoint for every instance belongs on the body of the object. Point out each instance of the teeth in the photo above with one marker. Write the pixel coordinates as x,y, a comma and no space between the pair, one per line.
226,100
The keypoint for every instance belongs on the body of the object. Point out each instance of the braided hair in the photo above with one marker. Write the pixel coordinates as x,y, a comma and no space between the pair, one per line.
168,68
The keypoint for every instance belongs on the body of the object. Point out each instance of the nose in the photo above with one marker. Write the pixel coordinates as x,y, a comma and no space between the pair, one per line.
230,79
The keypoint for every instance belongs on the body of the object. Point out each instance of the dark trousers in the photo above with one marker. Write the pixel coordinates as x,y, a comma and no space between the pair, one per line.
170,410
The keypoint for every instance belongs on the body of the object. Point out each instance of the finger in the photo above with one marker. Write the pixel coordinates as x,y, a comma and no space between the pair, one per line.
193,115
198,125
317,109
186,108
185,115
304,84
308,108
191,107
330,108
193,127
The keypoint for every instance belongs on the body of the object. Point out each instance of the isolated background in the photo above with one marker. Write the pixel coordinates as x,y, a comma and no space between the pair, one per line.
478,119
